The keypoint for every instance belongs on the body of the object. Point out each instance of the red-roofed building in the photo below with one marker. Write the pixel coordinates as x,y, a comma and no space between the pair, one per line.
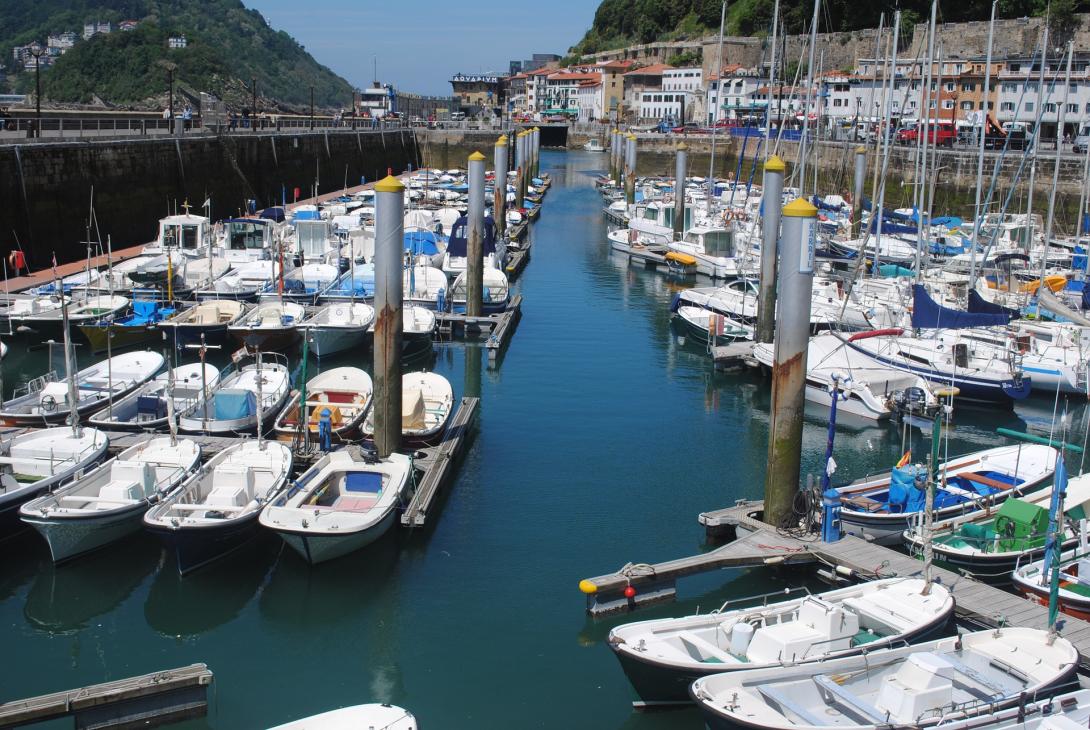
641,81
560,90
535,88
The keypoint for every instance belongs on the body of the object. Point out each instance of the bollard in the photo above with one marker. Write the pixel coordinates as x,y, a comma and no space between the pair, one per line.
475,236
535,141
499,193
325,430
794,287
772,201
681,165
630,170
389,245
520,162
830,515
857,201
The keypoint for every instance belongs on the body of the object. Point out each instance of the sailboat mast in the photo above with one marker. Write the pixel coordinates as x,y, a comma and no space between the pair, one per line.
921,181
803,146
771,82
715,112
1055,171
70,373
1036,140
985,114
886,141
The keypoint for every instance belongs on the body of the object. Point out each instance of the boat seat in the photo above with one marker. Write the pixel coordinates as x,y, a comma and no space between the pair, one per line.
784,702
116,493
363,482
861,710
234,480
863,504
706,649
355,504
139,473
994,691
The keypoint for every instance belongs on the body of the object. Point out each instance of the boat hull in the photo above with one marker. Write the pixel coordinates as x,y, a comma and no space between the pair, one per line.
190,334
329,340
266,338
197,546
316,548
116,337
70,538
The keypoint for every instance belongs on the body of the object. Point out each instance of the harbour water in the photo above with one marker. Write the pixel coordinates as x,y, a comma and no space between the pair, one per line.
600,439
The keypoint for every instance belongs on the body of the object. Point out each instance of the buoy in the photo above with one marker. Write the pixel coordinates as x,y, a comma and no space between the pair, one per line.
630,592
587,587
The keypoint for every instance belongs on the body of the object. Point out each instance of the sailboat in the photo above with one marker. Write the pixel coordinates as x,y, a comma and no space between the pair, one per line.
109,502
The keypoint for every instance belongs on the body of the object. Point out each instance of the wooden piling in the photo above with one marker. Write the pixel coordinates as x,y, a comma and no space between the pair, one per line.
389,245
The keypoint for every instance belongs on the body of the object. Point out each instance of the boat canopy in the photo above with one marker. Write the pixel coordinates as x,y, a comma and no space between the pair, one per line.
275,213
980,305
458,245
421,242
929,314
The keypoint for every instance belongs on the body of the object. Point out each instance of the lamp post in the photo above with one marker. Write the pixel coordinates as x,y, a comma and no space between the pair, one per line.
38,90
312,108
170,66
253,106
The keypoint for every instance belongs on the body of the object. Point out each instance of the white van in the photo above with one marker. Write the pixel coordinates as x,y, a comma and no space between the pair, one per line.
1082,139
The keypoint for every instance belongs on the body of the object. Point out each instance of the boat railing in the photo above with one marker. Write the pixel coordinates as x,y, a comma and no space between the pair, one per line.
34,385
879,643
959,711
762,597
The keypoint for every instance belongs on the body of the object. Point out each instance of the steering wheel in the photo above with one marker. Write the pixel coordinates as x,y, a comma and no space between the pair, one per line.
48,403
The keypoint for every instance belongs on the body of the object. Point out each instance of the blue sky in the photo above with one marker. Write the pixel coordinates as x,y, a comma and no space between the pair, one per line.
420,44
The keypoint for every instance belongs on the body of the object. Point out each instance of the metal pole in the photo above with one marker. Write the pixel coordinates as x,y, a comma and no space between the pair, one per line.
253,107
630,170
857,201
803,146
613,143
475,236
680,167
389,244
1055,171
520,167
537,151
985,114
312,107
771,204
794,288
38,95
170,83
499,197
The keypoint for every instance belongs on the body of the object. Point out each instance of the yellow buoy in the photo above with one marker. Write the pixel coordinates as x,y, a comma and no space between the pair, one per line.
588,587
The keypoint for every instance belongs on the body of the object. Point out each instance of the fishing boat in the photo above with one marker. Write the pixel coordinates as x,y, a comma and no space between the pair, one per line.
710,327
356,717
216,510
344,392
662,657
881,508
906,687
147,409
427,400
269,326
593,145
1032,581
109,502
243,282
302,285
136,328
243,400
990,543
495,291
208,319
1068,711
48,322
46,399
341,504
418,329
866,387
338,327
34,462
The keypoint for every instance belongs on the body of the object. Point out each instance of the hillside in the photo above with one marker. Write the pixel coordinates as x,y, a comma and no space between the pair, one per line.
618,23
228,45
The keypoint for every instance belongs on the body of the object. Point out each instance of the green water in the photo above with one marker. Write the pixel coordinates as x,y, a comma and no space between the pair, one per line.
600,439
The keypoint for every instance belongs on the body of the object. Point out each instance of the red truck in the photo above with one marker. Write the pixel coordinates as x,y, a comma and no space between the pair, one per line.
943,134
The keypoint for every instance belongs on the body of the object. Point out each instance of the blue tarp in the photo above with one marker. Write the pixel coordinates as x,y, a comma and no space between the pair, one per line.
889,214
273,214
363,481
822,205
892,271
929,314
891,228
421,242
980,305
234,403
307,215
458,244
950,221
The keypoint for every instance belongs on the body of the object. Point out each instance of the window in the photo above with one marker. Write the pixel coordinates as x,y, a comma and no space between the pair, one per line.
1088,107
1031,87
1029,106
1072,108
967,105
1016,67
1073,88
948,104
1050,108
968,87
1010,88
950,86
1007,106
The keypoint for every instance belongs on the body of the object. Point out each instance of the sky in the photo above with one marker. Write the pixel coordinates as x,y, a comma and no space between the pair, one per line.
420,44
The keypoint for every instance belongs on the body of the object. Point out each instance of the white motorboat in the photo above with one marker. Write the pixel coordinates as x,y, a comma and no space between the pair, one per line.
34,462
662,657
145,409
427,401
338,327
344,392
244,400
418,329
593,145
710,327
46,399
81,310
424,286
341,504
495,291
216,510
269,326
357,717
208,319
109,502
242,282
866,387
302,285
906,687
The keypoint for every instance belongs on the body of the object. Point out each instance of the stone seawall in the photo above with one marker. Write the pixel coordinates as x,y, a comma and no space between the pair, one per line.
47,188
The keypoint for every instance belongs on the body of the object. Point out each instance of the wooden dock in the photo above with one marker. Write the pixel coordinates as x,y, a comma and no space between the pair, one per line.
733,357
438,463
497,328
977,603
145,701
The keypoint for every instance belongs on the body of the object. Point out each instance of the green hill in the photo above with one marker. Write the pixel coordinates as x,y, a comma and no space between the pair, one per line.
619,23
228,45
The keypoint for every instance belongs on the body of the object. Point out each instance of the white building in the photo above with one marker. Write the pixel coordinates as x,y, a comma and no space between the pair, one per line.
589,100
177,41
93,29
61,41
736,100
674,106
560,91
683,79
535,89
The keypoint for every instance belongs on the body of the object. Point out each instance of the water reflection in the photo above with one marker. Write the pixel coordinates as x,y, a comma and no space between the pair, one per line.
65,598
208,598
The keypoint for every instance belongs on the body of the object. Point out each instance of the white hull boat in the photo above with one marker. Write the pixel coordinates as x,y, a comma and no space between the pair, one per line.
357,717
269,326
427,400
341,504
338,327
344,392
109,503
233,406
145,409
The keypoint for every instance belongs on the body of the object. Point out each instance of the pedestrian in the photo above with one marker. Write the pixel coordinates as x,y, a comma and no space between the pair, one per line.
231,121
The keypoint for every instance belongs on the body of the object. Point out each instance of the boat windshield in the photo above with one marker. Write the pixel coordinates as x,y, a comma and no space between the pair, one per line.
313,237
719,243
181,236
245,235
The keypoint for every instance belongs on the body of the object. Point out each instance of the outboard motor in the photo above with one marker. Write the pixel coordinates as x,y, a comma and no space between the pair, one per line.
911,400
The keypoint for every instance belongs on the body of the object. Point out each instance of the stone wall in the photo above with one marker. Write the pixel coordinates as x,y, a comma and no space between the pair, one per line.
46,188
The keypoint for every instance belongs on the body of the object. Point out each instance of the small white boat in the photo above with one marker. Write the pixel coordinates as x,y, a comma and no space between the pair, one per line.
81,310
302,285
710,327
662,657
215,511
109,503
357,717
339,505
495,291
338,327
1068,711
418,329
242,282
593,145
209,318
145,409
34,462
45,399
235,405
344,392
269,326
915,686
424,285
427,400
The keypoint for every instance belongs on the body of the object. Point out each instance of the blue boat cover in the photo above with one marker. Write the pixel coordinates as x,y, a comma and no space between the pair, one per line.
363,481
893,271
307,215
905,494
273,214
980,305
891,228
233,403
950,221
822,205
458,244
421,242
929,314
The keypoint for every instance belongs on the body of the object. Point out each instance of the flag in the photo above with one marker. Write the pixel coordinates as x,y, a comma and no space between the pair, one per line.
54,264
905,460
207,203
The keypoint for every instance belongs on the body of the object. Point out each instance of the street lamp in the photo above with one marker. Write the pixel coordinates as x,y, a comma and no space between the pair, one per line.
37,54
253,107
170,67
312,107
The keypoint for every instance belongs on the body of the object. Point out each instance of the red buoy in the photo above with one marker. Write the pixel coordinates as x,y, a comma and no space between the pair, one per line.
629,592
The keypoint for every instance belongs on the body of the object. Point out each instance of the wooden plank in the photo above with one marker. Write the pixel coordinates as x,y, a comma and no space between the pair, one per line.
439,463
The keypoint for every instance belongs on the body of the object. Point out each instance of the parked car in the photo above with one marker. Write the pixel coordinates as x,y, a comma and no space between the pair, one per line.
689,128
1082,140
943,134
